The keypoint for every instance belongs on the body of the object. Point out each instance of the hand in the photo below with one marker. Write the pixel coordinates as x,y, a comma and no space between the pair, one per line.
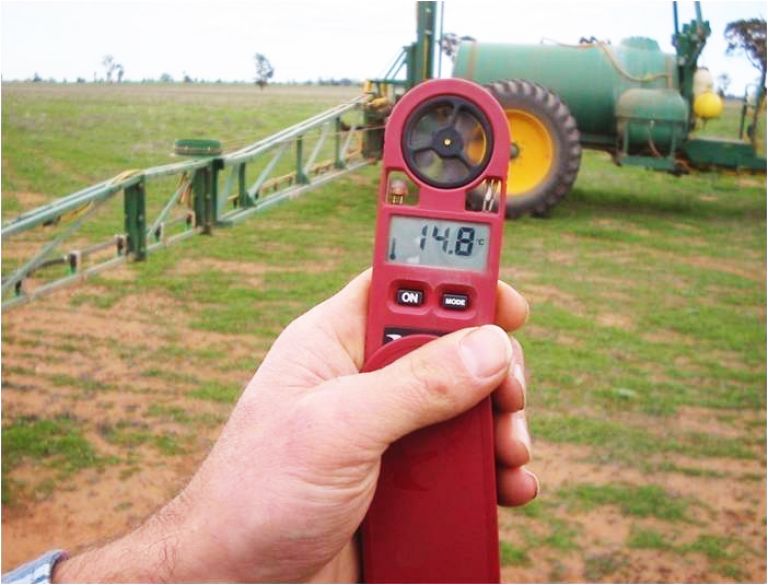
287,484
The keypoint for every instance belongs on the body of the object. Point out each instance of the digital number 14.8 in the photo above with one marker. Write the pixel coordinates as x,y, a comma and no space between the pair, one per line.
465,239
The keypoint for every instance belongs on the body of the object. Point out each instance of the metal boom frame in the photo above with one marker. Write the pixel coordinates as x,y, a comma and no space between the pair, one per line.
198,186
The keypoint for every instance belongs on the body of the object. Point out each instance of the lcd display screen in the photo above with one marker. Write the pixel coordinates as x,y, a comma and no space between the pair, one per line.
458,245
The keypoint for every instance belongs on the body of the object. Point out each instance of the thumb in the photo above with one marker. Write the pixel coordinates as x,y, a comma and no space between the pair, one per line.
433,383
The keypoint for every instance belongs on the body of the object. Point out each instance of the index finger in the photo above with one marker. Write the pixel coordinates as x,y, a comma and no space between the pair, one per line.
511,307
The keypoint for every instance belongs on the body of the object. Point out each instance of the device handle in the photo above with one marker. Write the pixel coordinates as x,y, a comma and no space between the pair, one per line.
433,517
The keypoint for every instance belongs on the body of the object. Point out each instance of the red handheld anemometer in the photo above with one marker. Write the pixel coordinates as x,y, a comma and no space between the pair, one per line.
435,269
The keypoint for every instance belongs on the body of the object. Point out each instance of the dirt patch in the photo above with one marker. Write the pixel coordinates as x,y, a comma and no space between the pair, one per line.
91,508
251,273
706,421
562,257
755,272
616,320
120,273
719,506
750,181
30,199
668,337
110,368
539,293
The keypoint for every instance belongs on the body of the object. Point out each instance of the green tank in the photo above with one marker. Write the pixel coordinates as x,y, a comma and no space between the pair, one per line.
589,78
653,119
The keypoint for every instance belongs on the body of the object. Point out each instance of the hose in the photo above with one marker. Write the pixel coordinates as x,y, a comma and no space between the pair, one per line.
77,212
613,59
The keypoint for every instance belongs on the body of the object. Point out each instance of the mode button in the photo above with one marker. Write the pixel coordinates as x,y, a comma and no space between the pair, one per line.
455,302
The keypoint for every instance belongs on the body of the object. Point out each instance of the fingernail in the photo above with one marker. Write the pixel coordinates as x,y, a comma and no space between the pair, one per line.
535,481
519,375
524,302
485,351
520,430
527,310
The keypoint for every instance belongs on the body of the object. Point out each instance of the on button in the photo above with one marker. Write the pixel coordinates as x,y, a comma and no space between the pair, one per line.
409,297
455,302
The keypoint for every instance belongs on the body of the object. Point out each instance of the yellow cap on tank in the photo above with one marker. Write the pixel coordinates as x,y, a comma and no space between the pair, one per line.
708,105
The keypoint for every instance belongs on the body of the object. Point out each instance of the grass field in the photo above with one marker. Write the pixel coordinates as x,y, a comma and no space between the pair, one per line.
645,346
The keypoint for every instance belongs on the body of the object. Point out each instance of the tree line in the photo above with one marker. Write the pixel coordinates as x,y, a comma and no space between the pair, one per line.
746,36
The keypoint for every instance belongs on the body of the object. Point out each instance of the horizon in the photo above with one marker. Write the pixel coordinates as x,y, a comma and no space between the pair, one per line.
306,41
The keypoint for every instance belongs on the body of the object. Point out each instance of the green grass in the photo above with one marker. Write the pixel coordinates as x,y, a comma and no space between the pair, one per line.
648,539
553,531
216,392
87,384
513,555
562,535
725,553
56,442
715,548
641,501
126,435
131,436
634,445
169,444
174,413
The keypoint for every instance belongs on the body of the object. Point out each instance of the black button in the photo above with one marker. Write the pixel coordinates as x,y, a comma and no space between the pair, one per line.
455,302
410,297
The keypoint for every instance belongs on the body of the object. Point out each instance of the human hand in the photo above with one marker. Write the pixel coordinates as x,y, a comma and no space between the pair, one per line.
287,484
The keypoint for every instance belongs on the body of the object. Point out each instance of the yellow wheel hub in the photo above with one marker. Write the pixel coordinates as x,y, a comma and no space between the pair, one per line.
532,152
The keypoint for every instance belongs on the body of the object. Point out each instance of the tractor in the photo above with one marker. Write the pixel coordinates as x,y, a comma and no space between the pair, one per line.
630,100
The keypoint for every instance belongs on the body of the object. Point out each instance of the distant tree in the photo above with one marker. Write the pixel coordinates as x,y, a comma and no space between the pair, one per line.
166,78
36,78
748,37
108,62
264,70
723,83
120,72
81,79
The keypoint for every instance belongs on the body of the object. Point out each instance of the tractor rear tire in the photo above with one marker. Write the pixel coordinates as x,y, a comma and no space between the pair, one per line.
545,150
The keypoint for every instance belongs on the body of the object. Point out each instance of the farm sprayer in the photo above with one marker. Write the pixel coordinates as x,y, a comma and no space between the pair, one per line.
641,106
632,101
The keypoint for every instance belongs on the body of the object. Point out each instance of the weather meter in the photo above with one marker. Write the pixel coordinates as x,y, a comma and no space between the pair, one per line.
436,263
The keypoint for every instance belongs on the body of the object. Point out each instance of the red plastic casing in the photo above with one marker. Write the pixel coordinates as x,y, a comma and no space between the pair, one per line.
433,517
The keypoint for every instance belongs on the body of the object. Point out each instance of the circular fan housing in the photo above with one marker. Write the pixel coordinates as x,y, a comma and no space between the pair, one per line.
447,142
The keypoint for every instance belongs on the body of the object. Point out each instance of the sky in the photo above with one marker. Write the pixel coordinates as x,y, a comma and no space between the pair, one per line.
321,39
